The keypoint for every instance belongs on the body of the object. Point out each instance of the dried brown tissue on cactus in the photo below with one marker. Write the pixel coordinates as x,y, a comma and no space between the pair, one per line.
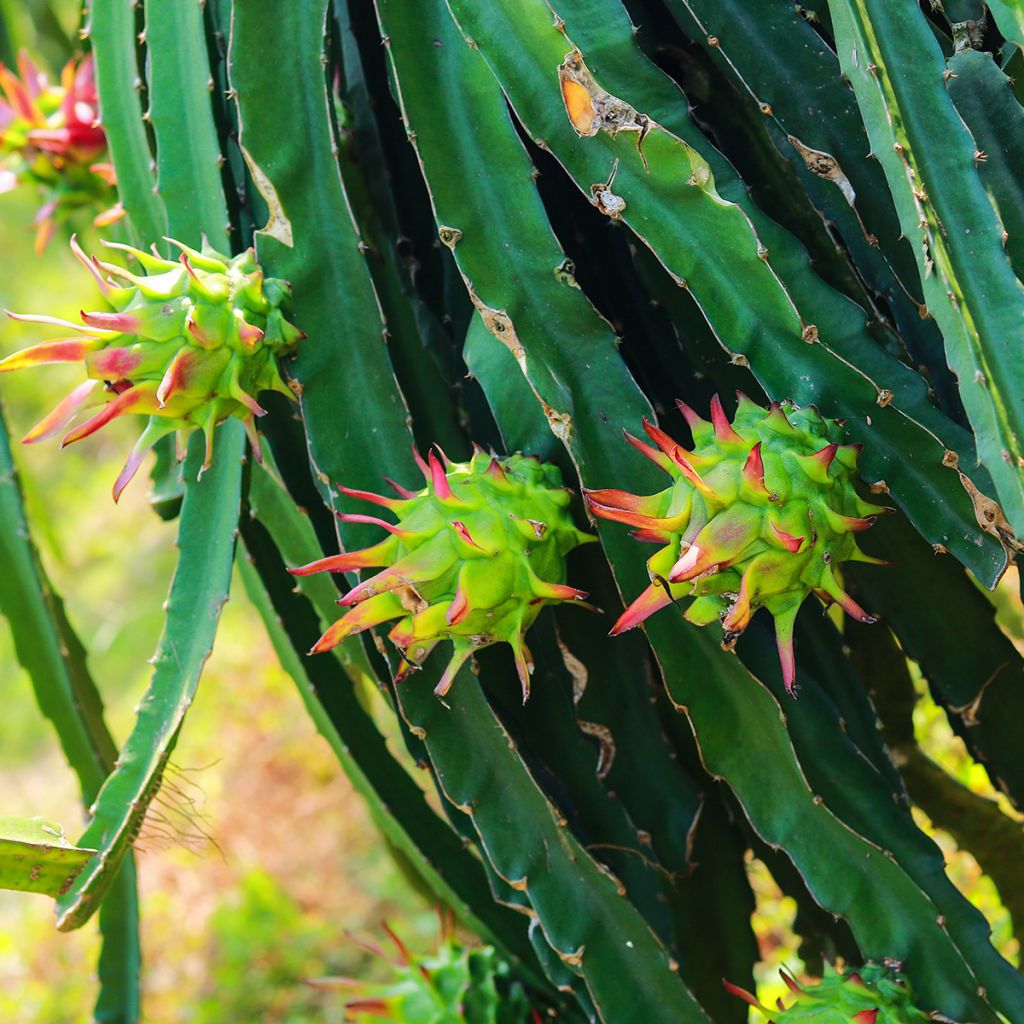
760,513
473,558
187,343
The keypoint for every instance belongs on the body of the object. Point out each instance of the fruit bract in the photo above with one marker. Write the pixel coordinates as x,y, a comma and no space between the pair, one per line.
187,344
473,558
759,514
876,993
50,136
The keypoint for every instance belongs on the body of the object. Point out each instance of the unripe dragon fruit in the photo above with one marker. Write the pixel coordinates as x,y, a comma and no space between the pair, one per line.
187,344
473,558
50,136
876,993
760,514
454,985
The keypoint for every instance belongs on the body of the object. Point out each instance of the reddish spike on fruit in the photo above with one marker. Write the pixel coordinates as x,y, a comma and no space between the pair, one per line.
376,499
92,265
357,517
787,540
737,618
653,599
778,420
402,492
848,524
753,470
831,587
438,478
559,592
423,467
364,616
176,376
49,321
368,558
865,1017
646,504
149,437
651,536
119,323
816,466
620,515
458,609
694,477
790,981
458,660
127,401
64,412
723,539
785,622
723,428
524,666
658,458
403,950
444,458
495,471
743,994
693,418
463,532
62,350
659,437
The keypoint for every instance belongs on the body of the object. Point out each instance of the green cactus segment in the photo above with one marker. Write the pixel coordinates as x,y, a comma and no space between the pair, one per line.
188,155
189,343
112,34
761,513
802,339
35,856
456,984
930,161
50,138
206,539
876,993
473,559
984,98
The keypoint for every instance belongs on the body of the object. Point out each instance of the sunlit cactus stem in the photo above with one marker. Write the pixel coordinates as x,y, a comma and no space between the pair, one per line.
761,512
473,558
188,343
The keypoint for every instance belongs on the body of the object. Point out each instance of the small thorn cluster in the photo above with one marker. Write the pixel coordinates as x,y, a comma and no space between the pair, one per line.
760,513
876,993
187,343
454,985
50,137
473,558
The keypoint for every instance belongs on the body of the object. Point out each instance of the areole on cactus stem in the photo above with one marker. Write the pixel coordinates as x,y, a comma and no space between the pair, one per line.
188,343
474,557
876,993
759,514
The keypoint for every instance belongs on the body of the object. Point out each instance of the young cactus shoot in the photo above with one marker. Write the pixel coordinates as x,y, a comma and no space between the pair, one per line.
473,558
759,514
188,343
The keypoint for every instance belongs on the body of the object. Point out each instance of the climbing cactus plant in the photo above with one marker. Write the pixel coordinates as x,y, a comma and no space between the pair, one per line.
452,249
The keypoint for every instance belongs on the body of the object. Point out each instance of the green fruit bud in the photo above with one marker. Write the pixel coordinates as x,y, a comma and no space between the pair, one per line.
760,514
472,559
188,344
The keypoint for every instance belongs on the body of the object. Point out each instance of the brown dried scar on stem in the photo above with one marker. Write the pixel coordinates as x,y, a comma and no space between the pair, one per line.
592,109
991,519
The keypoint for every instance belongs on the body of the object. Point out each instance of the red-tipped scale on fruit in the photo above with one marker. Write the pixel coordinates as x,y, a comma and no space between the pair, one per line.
728,540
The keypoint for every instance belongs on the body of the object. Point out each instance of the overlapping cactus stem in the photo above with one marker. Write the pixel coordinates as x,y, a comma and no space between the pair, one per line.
455,983
50,136
473,558
187,343
759,514
876,993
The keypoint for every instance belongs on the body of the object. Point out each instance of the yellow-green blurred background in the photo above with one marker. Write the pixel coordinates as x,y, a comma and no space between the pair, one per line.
259,858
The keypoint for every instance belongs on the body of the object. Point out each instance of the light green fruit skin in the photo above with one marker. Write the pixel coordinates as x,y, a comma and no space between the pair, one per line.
524,530
221,296
795,503
838,998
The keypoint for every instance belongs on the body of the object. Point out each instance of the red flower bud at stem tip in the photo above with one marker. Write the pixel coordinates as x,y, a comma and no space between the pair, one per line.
438,479
723,428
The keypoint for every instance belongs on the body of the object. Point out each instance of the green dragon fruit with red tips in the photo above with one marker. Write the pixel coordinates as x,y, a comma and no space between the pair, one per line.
473,558
50,137
759,514
876,993
456,984
187,343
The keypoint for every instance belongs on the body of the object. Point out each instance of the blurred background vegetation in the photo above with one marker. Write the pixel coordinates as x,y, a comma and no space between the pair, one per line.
237,910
